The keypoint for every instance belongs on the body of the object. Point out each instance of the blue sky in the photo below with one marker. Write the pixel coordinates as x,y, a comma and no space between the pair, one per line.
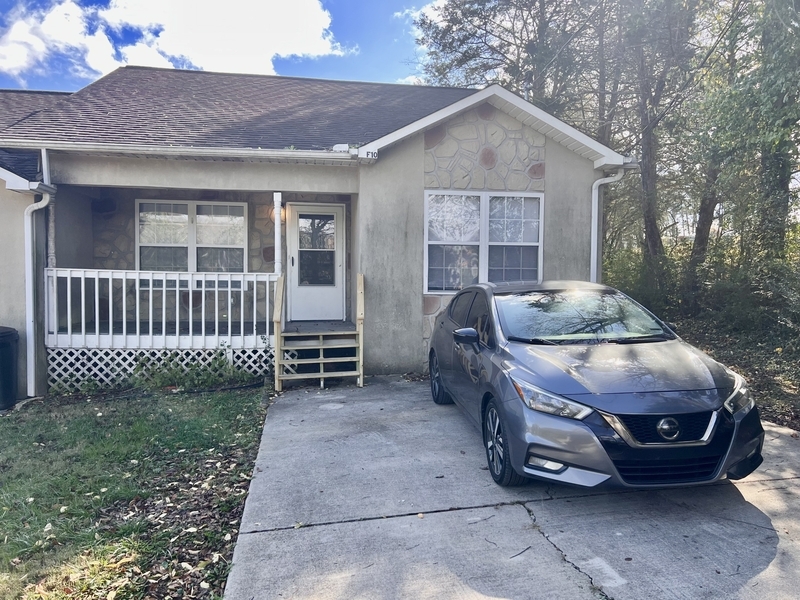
66,44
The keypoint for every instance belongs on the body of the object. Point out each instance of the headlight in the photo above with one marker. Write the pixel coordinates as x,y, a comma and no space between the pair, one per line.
740,398
549,403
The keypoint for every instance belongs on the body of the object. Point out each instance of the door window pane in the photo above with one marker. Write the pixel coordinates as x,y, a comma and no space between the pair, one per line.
479,319
317,232
458,267
316,267
220,260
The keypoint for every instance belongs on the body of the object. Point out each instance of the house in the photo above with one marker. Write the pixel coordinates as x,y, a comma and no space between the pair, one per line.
166,210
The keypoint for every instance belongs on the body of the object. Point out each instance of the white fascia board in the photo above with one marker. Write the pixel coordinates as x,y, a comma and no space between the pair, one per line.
14,182
547,125
305,156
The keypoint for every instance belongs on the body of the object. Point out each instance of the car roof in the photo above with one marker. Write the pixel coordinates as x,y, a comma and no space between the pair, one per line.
519,287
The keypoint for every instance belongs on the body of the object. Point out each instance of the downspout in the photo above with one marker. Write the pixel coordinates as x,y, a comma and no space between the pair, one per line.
596,220
48,193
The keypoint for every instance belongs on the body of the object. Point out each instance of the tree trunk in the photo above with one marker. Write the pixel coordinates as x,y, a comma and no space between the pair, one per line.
705,217
776,177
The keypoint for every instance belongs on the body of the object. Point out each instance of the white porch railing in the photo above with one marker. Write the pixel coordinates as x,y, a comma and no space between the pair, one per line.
90,308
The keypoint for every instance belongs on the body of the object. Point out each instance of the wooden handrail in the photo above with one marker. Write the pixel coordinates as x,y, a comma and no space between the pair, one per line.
360,298
277,312
360,326
277,316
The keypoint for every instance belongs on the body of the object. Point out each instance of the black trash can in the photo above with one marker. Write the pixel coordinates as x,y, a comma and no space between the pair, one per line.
9,351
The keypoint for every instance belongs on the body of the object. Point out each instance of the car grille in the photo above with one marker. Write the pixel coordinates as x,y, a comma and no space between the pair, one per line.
643,427
666,471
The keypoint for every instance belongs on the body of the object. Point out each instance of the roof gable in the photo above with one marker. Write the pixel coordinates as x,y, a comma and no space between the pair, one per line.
527,113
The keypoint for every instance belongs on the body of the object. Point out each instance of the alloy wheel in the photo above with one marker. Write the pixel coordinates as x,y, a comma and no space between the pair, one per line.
494,441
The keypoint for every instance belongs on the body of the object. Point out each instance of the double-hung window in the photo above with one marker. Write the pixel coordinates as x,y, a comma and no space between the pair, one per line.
473,237
191,236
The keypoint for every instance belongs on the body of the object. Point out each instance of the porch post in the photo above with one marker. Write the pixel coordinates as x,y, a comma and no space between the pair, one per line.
51,233
277,200
51,214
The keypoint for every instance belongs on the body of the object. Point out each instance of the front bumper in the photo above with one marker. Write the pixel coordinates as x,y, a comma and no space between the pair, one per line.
590,452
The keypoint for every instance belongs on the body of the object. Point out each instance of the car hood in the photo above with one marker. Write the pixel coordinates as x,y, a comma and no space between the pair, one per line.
667,376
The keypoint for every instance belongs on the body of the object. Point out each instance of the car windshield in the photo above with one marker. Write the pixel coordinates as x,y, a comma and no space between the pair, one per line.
577,316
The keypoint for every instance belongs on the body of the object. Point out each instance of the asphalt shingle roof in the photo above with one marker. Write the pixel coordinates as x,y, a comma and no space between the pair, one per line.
169,107
16,105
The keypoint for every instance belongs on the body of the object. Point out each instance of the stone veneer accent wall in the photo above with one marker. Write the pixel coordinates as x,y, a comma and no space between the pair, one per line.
483,149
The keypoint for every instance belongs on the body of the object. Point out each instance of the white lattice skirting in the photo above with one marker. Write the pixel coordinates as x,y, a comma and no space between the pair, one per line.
70,369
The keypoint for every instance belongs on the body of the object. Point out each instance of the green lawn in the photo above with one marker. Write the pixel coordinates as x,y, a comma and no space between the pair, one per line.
126,496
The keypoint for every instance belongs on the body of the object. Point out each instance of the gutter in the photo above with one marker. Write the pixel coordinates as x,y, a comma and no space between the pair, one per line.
629,163
190,152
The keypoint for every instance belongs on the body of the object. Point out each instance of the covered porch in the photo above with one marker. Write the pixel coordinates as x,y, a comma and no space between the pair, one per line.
180,275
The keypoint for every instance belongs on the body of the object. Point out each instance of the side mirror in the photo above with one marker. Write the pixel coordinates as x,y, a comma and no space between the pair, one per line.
672,326
466,335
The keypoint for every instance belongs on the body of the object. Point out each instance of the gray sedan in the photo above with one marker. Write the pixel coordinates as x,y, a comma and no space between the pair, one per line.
576,383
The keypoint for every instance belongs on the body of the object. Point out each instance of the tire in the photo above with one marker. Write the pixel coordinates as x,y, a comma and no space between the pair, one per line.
498,455
438,393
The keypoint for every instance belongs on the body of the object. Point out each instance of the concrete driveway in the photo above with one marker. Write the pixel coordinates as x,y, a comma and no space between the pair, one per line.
377,493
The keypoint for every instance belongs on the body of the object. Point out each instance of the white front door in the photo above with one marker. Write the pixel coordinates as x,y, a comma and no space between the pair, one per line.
315,241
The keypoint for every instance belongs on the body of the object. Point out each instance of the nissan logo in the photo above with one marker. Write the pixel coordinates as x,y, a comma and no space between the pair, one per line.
669,429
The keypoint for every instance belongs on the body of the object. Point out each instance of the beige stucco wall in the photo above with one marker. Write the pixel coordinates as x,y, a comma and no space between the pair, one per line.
200,174
390,253
12,270
567,214
12,278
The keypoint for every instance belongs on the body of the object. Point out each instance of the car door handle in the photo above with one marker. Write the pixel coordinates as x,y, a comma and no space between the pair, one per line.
293,261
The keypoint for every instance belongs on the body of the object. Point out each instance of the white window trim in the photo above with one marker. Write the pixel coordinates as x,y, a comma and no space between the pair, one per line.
483,245
191,245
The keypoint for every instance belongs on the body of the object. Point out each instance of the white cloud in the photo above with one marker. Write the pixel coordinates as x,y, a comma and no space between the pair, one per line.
409,15
411,80
233,35
430,10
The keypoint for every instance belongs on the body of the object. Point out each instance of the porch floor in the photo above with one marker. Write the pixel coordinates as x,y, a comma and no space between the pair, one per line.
317,327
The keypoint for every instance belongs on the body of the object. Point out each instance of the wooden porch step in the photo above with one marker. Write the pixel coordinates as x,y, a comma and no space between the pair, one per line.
343,331
318,345
324,361
321,336
323,375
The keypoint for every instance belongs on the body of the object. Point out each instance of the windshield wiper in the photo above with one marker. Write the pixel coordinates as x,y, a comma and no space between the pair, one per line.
643,339
539,341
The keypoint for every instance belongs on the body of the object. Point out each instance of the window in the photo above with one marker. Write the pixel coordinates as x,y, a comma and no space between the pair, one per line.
459,308
475,237
480,319
191,236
